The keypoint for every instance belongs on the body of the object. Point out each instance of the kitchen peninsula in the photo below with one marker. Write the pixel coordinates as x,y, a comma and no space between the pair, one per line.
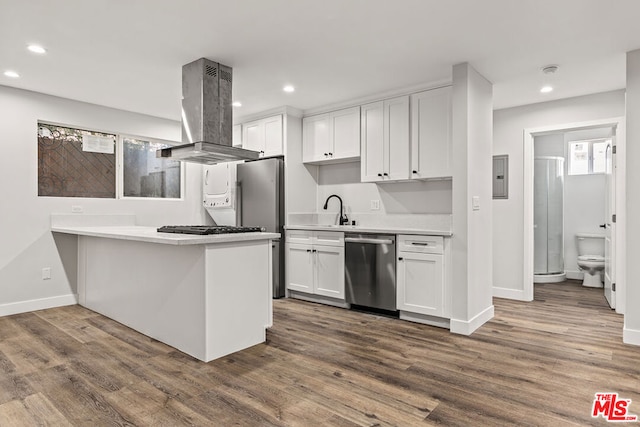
207,296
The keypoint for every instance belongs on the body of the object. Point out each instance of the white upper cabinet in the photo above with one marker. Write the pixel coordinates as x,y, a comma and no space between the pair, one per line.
315,138
346,133
331,137
431,145
264,135
372,124
385,140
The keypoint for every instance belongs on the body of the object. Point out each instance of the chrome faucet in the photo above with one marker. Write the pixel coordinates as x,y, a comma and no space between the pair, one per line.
343,218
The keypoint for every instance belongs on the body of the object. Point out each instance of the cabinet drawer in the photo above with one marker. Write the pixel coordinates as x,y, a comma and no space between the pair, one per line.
320,238
329,238
422,244
300,236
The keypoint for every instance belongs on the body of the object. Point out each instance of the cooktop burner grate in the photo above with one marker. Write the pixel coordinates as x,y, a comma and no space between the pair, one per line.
207,229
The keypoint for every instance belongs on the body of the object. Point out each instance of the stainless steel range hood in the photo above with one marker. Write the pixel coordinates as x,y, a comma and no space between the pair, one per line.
207,116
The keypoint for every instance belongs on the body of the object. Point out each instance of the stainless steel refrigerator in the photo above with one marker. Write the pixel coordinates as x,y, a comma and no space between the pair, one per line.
260,203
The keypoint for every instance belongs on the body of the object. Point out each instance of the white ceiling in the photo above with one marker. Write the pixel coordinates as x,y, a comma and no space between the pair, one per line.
128,54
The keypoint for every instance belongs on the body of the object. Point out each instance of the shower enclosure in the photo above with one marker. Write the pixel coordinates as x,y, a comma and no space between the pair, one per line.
548,183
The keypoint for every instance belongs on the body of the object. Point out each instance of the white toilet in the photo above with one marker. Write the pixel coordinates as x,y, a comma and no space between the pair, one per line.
591,258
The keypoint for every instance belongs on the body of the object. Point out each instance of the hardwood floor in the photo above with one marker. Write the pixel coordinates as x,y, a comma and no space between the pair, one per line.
536,363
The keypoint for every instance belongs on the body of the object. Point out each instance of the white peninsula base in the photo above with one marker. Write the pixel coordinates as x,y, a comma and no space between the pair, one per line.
207,297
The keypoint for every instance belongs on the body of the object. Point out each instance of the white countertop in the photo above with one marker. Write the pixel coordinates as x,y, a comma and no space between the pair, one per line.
151,235
370,229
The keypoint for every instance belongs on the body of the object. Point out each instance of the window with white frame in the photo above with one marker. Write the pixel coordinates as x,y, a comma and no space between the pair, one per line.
75,162
588,157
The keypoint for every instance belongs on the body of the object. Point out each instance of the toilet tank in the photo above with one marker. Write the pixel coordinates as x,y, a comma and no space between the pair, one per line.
590,244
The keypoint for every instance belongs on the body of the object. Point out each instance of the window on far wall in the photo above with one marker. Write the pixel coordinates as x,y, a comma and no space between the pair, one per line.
144,175
75,162
588,157
82,163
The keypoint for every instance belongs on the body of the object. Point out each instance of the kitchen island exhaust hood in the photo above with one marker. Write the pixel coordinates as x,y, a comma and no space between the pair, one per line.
207,117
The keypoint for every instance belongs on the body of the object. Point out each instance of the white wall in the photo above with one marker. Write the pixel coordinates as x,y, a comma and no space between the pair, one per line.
472,169
300,179
549,145
27,245
418,197
631,332
508,214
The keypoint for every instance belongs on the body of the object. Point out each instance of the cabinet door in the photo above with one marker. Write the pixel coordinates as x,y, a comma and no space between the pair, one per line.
253,136
329,271
273,136
315,138
420,279
396,147
345,126
372,137
299,267
431,147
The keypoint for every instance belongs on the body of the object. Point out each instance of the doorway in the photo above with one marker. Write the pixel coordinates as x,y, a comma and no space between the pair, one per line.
614,287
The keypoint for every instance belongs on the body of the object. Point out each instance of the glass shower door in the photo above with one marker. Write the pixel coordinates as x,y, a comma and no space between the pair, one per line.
548,215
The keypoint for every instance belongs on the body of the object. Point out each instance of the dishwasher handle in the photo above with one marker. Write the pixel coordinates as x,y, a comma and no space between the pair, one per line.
368,240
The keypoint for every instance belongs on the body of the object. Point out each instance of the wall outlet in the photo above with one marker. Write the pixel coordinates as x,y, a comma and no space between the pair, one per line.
46,273
475,203
77,209
375,205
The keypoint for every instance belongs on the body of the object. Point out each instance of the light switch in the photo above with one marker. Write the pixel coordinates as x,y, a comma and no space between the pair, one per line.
475,203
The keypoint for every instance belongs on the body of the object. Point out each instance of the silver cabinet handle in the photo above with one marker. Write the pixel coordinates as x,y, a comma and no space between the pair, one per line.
420,243
371,241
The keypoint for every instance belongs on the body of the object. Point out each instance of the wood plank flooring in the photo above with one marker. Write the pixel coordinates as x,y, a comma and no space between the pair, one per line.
535,364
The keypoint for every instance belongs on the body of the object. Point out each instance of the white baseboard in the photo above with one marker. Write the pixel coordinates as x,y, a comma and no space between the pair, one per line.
467,327
631,336
37,304
516,294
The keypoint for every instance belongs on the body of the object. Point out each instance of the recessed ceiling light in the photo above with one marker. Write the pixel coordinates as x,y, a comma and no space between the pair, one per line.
237,104
546,89
11,74
36,49
288,88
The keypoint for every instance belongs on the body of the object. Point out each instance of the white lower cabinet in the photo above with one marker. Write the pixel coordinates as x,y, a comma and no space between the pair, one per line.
315,263
300,267
420,283
421,276
315,272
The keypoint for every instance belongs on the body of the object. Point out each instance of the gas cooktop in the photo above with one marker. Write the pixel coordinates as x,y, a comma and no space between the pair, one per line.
207,229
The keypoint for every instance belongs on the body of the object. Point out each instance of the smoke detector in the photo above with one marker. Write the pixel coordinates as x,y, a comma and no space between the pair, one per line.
550,69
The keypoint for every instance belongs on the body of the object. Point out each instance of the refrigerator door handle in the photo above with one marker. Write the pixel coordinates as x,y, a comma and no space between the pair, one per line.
238,203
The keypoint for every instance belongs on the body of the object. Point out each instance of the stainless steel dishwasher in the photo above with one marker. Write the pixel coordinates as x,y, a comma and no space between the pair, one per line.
370,271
